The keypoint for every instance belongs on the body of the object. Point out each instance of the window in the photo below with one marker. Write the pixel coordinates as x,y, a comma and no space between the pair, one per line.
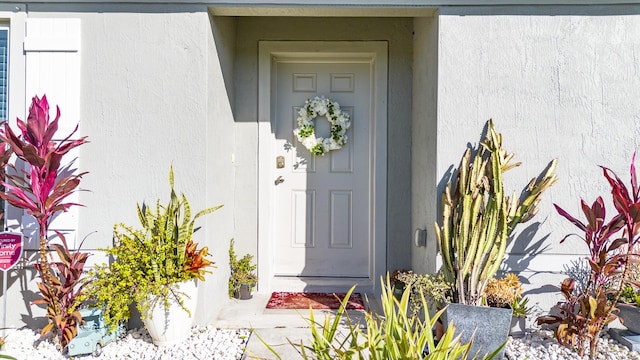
4,70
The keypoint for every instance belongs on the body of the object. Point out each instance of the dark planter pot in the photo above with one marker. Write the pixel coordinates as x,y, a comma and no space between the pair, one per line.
244,293
488,326
398,290
630,316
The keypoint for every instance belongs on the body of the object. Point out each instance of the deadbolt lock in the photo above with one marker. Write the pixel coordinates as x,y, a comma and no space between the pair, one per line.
279,162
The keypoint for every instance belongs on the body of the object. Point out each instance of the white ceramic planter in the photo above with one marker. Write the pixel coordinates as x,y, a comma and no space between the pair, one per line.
173,326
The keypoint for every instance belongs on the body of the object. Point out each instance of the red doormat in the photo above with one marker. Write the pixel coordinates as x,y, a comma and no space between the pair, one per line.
303,300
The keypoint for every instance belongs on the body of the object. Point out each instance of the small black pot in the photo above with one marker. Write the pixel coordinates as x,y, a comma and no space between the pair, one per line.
244,293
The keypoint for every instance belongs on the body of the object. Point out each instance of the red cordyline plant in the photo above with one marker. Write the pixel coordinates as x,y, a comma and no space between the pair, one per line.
63,292
582,316
42,190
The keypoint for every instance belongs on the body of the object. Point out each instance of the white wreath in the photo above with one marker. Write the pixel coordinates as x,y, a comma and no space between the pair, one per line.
340,122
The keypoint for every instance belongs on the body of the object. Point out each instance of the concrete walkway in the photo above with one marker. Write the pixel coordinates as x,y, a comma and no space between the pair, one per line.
276,326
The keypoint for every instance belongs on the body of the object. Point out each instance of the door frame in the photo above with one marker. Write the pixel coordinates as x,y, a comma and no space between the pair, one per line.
376,53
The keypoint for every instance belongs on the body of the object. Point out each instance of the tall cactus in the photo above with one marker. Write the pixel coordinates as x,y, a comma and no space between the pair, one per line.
478,218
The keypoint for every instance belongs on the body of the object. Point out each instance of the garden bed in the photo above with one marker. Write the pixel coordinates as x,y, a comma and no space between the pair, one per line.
540,345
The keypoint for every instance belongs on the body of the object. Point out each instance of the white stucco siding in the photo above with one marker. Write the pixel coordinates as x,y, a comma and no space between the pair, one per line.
144,108
563,87
424,141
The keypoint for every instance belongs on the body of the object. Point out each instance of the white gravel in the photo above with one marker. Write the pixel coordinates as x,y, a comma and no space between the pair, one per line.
204,343
229,344
541,345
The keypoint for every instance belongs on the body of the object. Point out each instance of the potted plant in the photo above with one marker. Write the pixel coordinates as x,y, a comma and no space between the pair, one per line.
478,218
156,268
430,289
506,292
435,289
243,278
399,281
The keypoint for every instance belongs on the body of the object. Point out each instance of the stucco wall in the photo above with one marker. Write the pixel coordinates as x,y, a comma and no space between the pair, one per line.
153,94
158,88
423,142
170,84
557,86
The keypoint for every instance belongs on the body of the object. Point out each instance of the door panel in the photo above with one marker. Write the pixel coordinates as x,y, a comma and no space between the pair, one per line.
322,210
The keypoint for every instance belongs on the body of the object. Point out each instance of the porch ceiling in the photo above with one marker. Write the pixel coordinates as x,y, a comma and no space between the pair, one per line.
318,10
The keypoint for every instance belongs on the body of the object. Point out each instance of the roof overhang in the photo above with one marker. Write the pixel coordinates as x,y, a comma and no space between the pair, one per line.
351,8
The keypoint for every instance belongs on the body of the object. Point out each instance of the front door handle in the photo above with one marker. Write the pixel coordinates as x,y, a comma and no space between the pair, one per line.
279,180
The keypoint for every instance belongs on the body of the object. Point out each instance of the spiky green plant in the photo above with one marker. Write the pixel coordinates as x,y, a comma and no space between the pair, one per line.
395,334
478,217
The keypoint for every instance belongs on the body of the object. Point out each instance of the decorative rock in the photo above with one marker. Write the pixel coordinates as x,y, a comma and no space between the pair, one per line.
540,344
204,343
207,342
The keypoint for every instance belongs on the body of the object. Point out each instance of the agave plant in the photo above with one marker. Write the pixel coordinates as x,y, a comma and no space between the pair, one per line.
42,190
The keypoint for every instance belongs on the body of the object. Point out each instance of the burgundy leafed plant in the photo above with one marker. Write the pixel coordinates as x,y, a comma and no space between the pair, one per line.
582,316
42,190
63,292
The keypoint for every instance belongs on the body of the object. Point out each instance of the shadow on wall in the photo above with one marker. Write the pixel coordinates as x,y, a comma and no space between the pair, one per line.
24,274
523,251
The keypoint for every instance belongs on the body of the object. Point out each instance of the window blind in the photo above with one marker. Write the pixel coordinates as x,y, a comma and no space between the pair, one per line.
4,69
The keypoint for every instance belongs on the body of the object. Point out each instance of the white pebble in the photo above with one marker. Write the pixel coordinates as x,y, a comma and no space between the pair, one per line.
205,343
540,344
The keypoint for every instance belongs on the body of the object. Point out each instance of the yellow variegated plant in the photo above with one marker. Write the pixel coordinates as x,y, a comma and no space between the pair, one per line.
394,334
150,260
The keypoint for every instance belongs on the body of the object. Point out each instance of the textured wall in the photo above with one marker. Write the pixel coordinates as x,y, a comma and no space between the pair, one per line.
153,94
561,87
424,140
158,87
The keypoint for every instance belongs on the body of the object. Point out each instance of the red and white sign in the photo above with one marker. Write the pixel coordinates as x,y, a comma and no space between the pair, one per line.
10,249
